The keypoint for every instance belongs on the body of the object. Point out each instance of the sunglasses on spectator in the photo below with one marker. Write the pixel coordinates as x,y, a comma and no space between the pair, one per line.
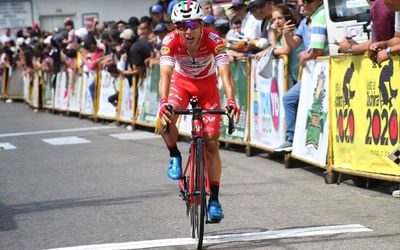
183,26
308,1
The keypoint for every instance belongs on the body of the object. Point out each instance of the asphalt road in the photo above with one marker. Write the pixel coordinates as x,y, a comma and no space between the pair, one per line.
110,191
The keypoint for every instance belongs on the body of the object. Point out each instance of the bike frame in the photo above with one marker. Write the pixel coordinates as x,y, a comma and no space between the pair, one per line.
197,133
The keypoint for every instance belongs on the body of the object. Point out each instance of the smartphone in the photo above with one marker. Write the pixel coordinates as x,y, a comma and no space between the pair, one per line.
289,18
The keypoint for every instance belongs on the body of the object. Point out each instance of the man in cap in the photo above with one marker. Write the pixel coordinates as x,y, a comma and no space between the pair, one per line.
139,51
120,25
157,14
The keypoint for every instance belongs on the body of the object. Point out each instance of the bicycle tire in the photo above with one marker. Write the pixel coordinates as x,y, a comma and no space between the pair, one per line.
200,200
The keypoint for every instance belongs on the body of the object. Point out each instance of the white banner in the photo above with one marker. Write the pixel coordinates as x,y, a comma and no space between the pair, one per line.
267,120
26,79
312,124
126,102
61,96
75,91
35,90
87,101
107,89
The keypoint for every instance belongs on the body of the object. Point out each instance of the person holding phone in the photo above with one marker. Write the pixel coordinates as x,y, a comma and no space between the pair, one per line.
282,15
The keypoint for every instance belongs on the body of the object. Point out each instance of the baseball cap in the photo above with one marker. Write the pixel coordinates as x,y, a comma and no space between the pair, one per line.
35,26
160,28
81,33
209,19
157,8
127,34
255,3
48,40
68,21
236,3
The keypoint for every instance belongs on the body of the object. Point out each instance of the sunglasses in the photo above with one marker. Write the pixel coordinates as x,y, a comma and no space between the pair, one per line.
183,26
308,1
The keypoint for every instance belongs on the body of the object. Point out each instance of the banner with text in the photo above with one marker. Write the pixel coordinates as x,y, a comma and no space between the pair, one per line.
125,101
148,98
267,120
365,99
61,96
74,91
239,71
107,89
87,104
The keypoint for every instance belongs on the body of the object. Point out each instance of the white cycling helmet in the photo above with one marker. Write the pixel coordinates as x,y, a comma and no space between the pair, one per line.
186,10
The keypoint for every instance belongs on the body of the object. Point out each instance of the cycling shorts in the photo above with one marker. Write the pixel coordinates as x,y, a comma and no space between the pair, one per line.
183,88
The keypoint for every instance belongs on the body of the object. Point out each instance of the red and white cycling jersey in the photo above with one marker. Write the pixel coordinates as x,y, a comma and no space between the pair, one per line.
212,53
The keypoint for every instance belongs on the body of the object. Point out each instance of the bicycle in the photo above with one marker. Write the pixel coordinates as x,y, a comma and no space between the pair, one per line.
194,185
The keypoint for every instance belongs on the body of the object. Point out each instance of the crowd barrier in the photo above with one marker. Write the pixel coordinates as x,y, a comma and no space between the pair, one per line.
347,120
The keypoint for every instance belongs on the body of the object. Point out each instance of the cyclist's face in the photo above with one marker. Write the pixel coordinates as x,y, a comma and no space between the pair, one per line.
190,31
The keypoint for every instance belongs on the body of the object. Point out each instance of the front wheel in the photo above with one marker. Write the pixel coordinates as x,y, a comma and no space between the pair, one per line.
198,206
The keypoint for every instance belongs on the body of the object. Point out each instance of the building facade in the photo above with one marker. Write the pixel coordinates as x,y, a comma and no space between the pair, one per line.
52,13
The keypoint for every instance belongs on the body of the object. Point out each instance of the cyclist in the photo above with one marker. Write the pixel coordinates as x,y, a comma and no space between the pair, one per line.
188,62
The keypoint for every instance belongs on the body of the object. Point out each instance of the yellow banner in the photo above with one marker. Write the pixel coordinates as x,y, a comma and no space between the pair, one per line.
365,121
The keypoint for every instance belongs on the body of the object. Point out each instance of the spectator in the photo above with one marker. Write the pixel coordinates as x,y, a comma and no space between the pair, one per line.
317,46
381,17
168,23
120,25
207,7
209,21
93,55
383,50
282,15
171,6
115,73
262,10
145,28
235,40
133,22
157,14
139,50
72,39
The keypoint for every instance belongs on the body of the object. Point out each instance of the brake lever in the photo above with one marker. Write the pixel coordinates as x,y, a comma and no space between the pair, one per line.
166,126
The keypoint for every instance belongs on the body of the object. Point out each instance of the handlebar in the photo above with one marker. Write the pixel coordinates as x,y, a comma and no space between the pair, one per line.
200,111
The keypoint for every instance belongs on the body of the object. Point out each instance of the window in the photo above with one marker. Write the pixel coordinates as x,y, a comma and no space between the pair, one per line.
346,10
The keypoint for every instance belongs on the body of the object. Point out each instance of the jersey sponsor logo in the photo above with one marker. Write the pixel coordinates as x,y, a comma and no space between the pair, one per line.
168,39
165,50
214,37
220,49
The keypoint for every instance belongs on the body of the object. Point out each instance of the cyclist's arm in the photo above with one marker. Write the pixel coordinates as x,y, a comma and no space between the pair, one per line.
227,81
165,80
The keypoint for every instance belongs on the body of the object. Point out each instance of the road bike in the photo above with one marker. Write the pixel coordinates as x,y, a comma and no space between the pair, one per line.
195,185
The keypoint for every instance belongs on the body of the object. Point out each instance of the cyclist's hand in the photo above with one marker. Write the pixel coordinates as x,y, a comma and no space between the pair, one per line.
165,111
234,109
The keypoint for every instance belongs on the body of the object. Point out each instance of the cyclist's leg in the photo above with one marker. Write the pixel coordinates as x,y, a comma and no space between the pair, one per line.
179,98
214,171
212,126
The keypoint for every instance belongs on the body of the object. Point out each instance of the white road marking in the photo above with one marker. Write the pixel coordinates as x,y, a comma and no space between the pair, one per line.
135,136
6,146
55,131
256,236
65,140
